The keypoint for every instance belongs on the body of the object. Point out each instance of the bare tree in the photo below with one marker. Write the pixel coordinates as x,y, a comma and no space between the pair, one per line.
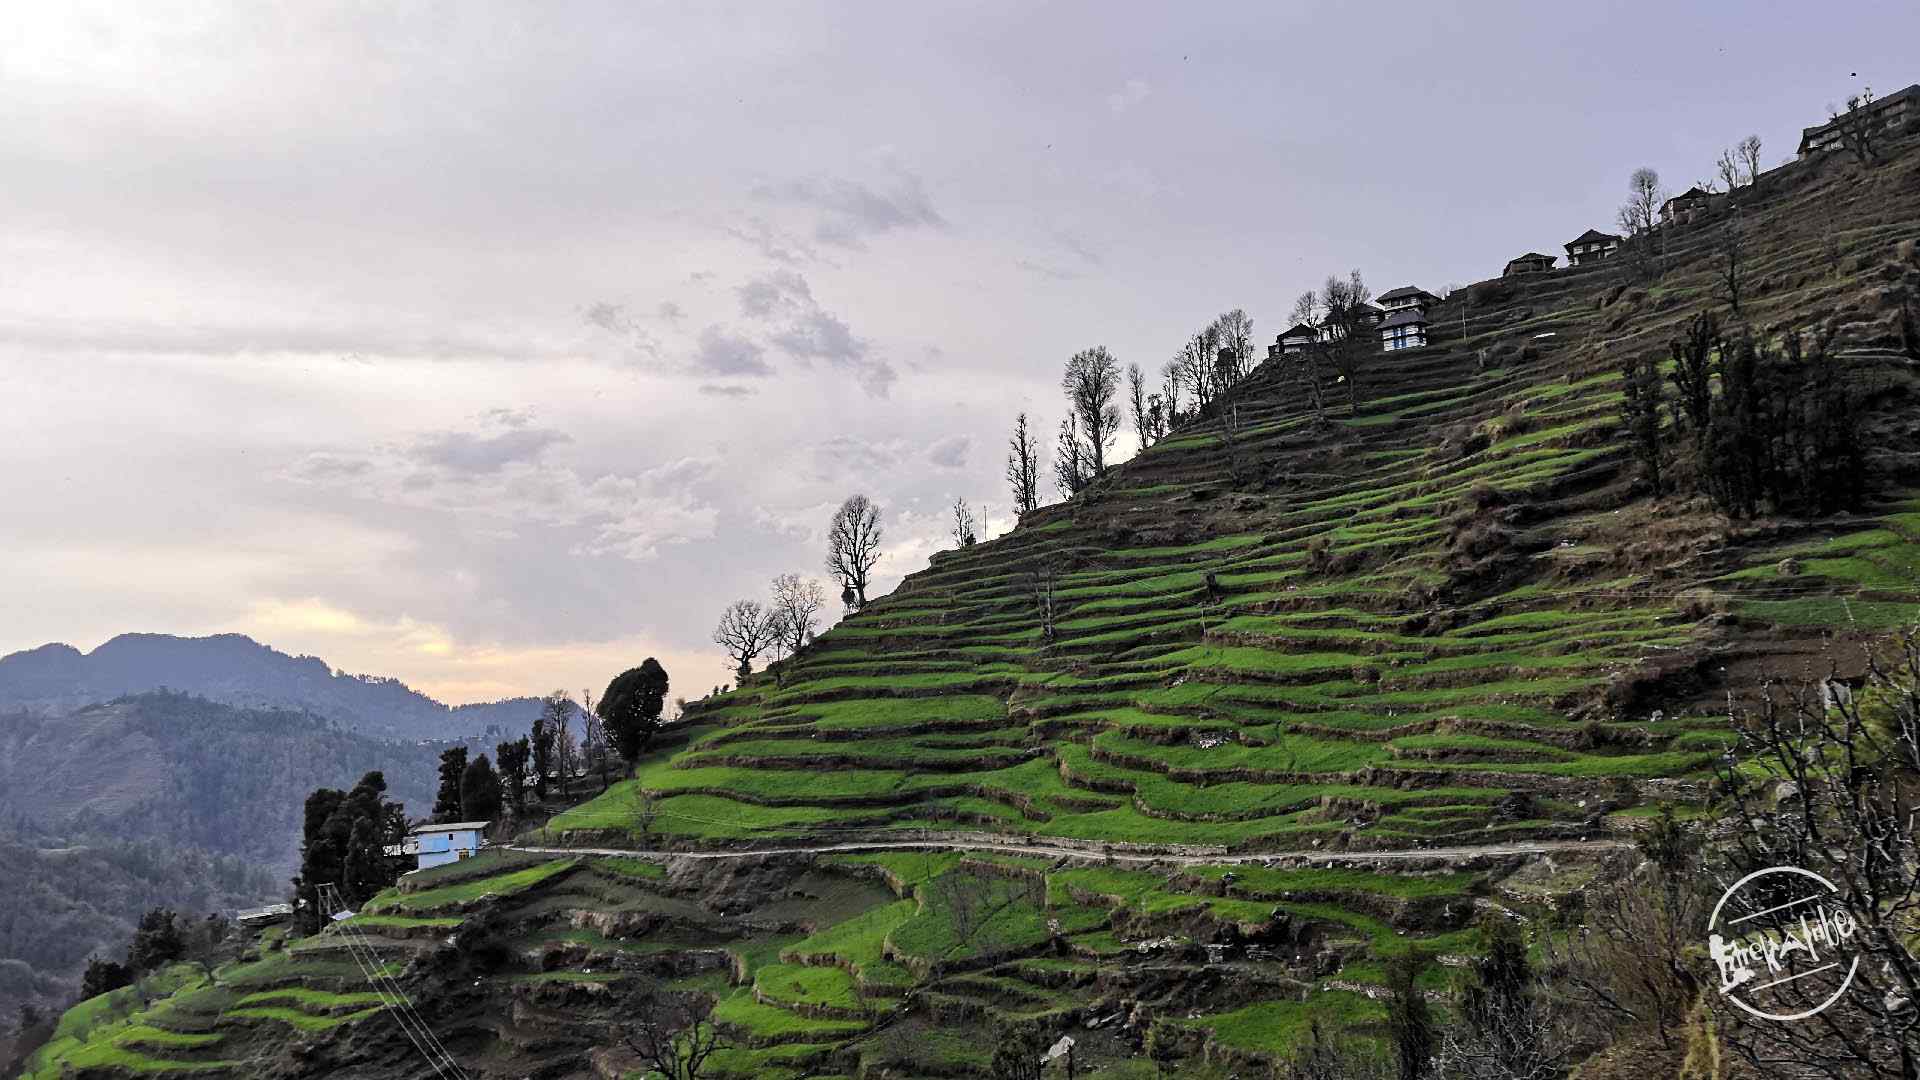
1509,1028
1069,469
1730,265
966,531
1306,307
1347,342
1728,167
1023,468
1137,402
1749,151
853,546
1641,212
1170,391
1859,127
1235,333
746,630
1840,800
599,751
1091,379
1045,581
1194,363
1633,954
673,1035
796,607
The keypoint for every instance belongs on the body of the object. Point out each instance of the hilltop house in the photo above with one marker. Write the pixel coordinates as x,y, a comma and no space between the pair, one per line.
1591,246
1684,207
1404,329
438,844
1531,263
1900,108
1401,299
1295,340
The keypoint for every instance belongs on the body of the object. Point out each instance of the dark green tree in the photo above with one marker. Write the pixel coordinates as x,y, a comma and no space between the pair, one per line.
631,708
103,976
1640,417
512,758
1416,1033
480,791
157,942
343,843
546,733
453,765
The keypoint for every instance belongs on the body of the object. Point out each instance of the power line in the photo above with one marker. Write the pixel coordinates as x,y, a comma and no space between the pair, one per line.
412,1024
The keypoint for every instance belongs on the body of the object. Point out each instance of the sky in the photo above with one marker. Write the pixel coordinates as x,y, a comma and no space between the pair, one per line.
498,346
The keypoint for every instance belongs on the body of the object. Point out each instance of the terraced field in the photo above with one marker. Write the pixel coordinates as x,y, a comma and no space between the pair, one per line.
1443,617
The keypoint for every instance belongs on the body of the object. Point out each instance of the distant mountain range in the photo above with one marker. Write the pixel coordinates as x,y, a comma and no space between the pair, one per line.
234,669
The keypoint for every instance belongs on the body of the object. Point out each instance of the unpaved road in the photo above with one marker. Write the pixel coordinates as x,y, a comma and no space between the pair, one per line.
1116,852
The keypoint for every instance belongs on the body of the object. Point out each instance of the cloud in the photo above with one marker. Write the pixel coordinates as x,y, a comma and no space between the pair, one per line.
851,212
717,390
1052,273
950,453
1132,93
723,353
670,312
849,455
806,331
468,452
773,243
497,484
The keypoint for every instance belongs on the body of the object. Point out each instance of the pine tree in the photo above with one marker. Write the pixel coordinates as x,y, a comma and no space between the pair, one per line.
453,765
480,791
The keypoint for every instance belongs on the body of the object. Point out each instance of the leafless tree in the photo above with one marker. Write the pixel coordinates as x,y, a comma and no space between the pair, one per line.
1091,379
1728,167
1347,342
853,545
1641,212
1137,403
1859,127
966,530
1069,467
1195,362
673,1035
1730,264
1170,376
795,609
594,740
1023,468
1841,801
1234,330
1045,581
1633,955
1306,308
746,630
1749,151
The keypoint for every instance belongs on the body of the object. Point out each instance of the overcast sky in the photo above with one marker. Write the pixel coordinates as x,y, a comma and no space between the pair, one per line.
497,346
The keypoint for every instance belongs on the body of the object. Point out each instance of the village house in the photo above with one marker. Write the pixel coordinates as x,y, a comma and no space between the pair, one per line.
1591,246
1686,206
1531,263
435,845
1404,329
1898,109
1401,299
1294,341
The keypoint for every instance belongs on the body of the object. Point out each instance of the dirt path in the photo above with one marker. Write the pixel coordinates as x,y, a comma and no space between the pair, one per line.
1115,852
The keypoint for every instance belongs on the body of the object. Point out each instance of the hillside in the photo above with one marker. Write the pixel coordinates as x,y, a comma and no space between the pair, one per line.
1314,695
236,670
158,799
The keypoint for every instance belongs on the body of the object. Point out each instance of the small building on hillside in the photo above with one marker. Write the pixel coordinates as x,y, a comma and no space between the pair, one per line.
1889,115
1369,314
1684,207
264,916
1531,263
439,844
1295,340
1404,298
1405,328
1591,246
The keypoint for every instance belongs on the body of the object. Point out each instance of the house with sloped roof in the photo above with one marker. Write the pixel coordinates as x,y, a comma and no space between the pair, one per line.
1898,110
1686,206
1531,263
1296,339
1404,328
1401,299
1591,246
